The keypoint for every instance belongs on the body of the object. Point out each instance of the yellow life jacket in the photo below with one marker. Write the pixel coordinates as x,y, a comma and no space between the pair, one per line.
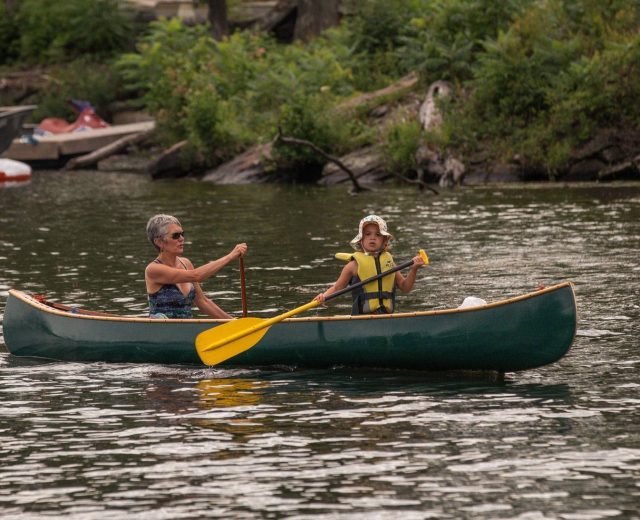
378,296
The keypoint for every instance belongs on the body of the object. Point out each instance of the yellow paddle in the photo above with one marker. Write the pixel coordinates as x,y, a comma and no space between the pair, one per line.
234,337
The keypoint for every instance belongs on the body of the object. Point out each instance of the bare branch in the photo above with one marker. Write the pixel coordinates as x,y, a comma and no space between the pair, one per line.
421,184
302,142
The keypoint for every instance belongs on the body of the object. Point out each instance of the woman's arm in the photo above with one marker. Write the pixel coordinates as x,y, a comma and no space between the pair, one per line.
207,306
163,274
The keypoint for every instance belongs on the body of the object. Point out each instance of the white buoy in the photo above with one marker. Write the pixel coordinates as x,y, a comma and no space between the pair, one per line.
13,172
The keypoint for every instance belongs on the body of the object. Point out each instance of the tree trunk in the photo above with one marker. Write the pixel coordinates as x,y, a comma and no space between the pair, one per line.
218,18
314,16
398,89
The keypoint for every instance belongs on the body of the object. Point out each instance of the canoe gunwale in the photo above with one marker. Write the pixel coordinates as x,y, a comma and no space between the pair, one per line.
29,300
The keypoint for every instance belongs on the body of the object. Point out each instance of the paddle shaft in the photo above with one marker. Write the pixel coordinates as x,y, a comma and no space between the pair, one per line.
271,321
243,289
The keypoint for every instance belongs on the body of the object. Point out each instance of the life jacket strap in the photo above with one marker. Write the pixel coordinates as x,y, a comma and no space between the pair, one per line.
381,295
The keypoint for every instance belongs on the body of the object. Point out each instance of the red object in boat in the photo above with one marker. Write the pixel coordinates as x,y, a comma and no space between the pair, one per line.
87,120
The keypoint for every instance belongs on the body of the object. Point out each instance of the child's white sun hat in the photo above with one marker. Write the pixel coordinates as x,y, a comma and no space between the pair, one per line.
370,219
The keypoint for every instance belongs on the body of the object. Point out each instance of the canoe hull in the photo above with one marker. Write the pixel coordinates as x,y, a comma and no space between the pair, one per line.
517,334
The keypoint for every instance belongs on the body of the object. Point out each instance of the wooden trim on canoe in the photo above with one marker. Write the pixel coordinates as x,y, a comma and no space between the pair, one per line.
89,315
72,310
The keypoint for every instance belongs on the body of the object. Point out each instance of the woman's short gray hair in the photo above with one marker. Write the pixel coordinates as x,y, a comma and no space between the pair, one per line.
157,227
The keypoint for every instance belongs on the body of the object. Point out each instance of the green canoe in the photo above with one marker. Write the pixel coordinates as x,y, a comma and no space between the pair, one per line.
515,334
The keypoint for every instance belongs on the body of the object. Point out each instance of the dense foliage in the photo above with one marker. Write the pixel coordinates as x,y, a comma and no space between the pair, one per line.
42,31
531,77
75,40
222,96
561,71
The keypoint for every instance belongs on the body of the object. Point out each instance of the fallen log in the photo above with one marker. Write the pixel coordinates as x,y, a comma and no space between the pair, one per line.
106,151
400,88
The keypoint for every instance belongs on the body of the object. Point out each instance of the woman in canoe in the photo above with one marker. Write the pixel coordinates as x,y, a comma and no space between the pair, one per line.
173,284
372,257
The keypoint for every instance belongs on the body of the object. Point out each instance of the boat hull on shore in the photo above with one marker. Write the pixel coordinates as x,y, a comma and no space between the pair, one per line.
519,333
11,121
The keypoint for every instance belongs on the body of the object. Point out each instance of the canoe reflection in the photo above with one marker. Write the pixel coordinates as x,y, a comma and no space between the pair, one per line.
224,393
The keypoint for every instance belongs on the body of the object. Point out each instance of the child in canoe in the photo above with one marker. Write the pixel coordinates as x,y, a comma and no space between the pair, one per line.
371,258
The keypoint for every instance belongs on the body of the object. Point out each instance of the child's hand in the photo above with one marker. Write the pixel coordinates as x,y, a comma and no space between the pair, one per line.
320,298
418,261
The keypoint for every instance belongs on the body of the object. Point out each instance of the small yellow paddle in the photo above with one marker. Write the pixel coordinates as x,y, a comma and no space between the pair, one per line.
234,337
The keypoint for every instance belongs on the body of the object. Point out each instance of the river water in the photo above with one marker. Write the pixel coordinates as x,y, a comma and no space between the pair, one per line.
111,441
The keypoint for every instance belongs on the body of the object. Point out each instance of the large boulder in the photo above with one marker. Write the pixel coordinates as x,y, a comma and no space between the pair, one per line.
584,170
246,168
366,164
609,154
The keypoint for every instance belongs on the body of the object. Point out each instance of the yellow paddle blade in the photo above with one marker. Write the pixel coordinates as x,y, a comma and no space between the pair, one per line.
424,256
345,257
206,341
234,337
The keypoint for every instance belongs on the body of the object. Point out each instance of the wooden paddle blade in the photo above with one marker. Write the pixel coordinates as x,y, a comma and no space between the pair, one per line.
212,355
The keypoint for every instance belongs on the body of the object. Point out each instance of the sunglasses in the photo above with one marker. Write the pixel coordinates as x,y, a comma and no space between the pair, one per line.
177,235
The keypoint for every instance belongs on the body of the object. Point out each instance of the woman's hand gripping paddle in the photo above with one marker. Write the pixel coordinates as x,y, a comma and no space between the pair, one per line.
234,337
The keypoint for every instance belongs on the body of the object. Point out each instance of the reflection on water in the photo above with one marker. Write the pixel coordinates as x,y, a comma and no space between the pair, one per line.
225,393
107,441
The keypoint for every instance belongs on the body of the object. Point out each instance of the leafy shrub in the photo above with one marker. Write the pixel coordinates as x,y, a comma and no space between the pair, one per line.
401,142
307,118
371,35
56,31
302,69
9,35
82,80
373,43
212,126
446,38
561,71
161,75
220,96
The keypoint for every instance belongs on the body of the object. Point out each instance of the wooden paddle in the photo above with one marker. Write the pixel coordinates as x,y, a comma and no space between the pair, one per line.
234,337
243,289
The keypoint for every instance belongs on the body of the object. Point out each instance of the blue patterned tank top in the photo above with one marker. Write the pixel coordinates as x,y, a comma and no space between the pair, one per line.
170,301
